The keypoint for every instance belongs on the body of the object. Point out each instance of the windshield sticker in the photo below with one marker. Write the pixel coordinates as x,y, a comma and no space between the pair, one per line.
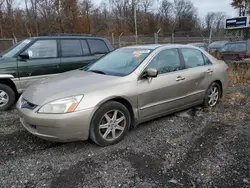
30,53
139,53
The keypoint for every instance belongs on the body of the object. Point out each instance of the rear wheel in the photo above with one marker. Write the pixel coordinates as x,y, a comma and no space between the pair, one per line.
212,96
110,124
7,97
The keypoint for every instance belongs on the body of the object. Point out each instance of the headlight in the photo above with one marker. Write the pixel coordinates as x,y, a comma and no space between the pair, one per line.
61,106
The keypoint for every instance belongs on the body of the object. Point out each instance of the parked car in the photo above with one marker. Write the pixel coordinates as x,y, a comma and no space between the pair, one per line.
214,47
201,45
39,57
235,51
128,86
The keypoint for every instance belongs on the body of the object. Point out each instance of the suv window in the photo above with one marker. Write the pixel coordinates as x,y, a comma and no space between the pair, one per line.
97,46
192,57
234,47
85,47
43,49
166,61
71,48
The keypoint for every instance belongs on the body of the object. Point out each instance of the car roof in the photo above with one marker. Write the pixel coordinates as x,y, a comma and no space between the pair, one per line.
66,37
235,42
197,43
155,46
220,41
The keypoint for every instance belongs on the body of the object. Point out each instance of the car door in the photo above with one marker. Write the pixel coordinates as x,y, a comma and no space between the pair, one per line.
165,92
42,61
198,74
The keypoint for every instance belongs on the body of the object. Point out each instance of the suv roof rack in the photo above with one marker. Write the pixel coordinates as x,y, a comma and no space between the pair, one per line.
70,34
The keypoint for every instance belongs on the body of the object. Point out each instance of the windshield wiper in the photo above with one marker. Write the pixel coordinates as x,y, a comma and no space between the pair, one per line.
97,71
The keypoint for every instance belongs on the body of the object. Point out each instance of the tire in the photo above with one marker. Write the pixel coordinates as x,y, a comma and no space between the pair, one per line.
8,94
103,124
213,87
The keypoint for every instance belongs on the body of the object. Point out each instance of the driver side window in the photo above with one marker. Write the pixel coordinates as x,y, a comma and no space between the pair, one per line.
166,61
43,49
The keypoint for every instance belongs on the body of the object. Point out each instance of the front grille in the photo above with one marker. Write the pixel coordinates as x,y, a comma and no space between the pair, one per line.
28,105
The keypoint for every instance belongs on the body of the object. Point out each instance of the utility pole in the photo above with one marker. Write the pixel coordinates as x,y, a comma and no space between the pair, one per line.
135,18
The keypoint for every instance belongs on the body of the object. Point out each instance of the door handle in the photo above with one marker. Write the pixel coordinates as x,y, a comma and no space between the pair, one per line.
55,66
179,78
209,71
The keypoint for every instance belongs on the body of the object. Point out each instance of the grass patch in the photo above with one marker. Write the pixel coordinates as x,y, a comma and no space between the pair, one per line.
239,72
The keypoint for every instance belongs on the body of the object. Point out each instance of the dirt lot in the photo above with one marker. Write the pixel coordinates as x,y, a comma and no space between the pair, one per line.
199,148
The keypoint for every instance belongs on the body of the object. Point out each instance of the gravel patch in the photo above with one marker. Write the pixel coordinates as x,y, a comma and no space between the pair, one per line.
195,148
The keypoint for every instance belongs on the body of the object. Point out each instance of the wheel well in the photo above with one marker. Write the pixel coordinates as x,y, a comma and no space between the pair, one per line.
128,106
9,83
220,84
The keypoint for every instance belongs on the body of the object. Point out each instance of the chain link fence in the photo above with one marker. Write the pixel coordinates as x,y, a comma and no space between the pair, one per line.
167,38
120,40
5,44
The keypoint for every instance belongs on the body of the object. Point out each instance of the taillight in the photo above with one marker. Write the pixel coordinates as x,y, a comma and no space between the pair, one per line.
247,54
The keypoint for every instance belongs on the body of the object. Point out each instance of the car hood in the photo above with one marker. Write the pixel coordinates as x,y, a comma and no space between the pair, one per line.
67,84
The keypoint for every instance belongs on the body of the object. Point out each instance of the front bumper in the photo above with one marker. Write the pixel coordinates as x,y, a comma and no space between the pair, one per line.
57,127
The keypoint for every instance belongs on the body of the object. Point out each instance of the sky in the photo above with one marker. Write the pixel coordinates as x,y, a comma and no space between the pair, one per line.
205,6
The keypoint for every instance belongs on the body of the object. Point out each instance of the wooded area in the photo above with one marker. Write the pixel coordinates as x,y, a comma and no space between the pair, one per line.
23,18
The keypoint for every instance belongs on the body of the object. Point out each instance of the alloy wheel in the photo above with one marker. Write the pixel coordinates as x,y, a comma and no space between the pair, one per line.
4,98
213,96
112,125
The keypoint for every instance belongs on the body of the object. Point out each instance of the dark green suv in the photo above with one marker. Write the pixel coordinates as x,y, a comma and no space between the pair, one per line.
36,58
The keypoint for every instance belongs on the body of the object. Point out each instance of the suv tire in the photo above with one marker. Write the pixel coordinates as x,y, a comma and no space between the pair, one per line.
7,97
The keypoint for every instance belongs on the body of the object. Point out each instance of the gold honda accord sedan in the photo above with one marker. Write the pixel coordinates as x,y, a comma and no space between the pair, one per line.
126,87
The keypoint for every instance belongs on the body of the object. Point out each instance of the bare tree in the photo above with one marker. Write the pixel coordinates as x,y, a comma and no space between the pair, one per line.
86,6
214,20
146,4
1,17
185,14
165,13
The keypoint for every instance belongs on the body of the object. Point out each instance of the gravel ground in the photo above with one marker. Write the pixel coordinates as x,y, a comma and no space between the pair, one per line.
197,148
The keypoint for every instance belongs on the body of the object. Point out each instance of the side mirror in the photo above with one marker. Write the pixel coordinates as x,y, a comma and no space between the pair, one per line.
24,55
150,73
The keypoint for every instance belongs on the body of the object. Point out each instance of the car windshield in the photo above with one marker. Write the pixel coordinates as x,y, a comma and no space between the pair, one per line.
217,44
234,47
120,62
15,48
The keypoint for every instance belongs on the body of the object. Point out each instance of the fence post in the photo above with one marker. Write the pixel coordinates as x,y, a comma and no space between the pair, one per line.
210,38
113,39
156,38
172,38
120,39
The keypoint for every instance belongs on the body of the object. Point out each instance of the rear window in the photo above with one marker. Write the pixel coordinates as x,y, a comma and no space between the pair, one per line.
217,44
97,46
234,47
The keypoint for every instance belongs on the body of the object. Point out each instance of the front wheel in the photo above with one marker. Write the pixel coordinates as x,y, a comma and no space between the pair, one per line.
212,96
7,97
109,124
